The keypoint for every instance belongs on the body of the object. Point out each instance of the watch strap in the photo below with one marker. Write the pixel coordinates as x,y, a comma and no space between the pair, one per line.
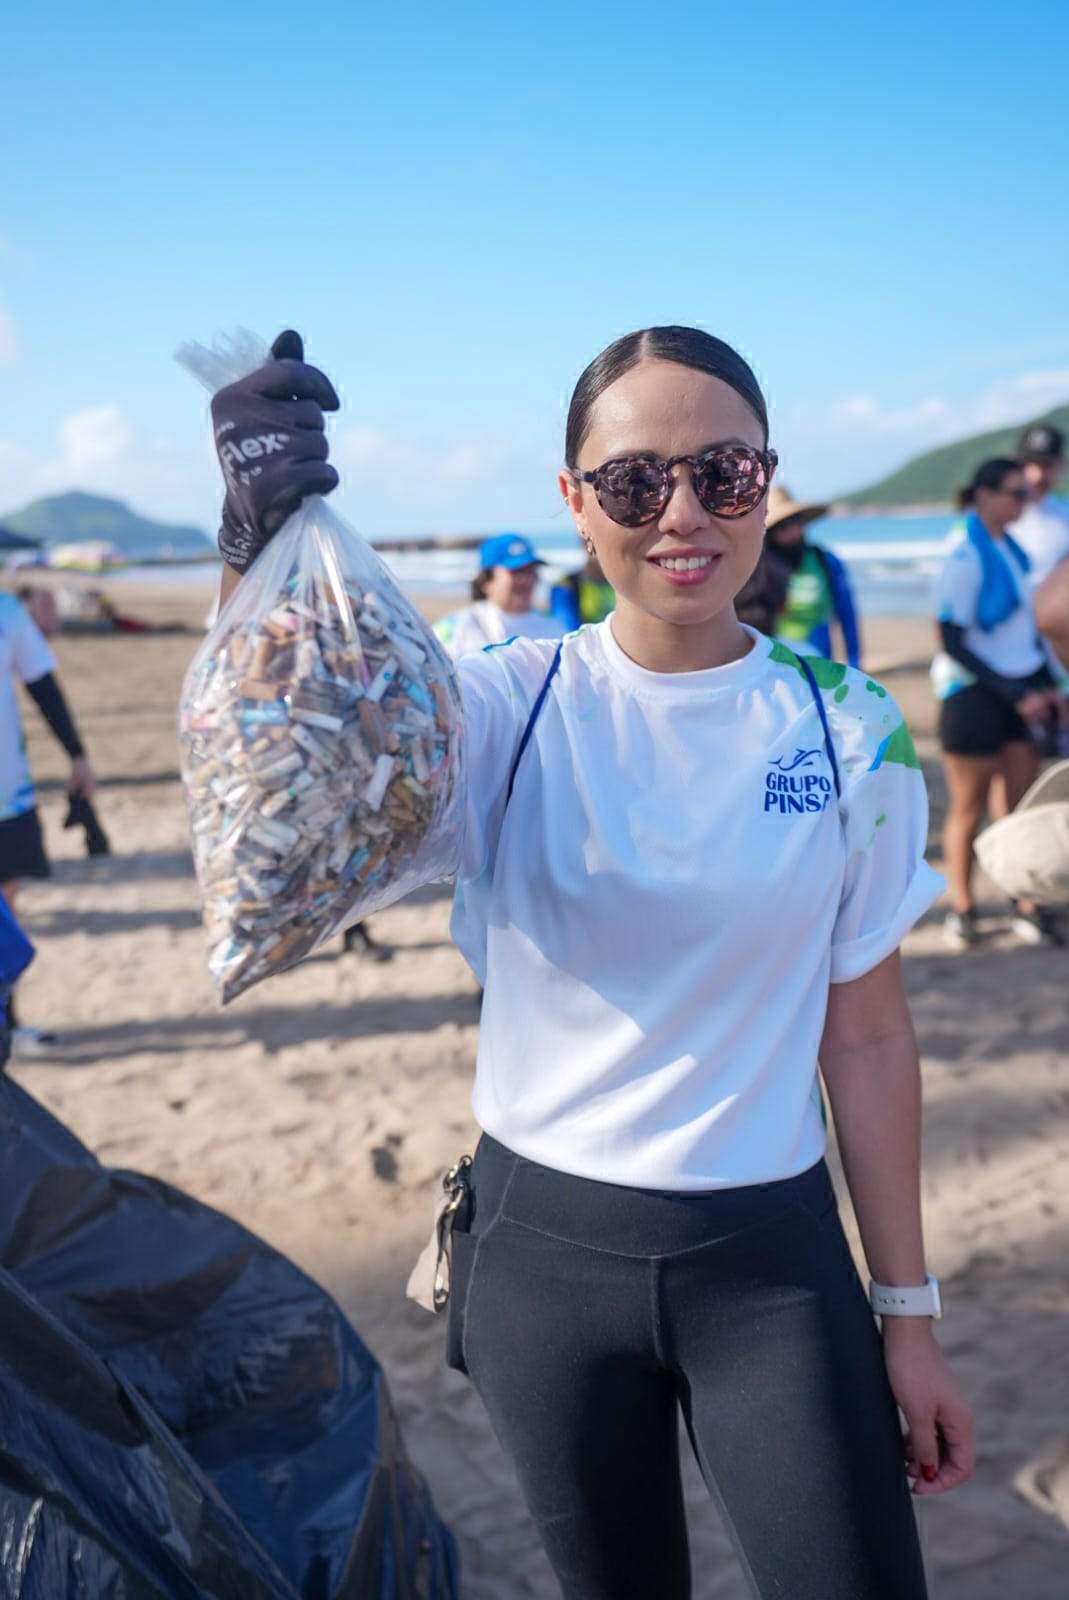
921,1300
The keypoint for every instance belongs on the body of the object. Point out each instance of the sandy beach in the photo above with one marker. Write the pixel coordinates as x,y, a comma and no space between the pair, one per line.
320,1108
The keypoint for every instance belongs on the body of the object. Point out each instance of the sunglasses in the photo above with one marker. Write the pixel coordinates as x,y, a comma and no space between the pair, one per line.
729,480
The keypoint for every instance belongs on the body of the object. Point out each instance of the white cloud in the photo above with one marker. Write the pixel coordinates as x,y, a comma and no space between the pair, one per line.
863,435
365,452
94,438
100,450
1018,399
8,341
361,449
997,405
392,481
417,469
863,411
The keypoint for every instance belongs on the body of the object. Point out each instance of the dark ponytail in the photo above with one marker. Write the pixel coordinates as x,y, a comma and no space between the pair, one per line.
990,474
687,347
479,582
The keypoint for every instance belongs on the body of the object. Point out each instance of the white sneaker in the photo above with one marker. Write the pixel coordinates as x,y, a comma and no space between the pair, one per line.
28,1042
1037,927
959,929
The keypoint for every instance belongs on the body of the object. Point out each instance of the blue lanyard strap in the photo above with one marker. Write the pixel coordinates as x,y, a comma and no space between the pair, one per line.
822,713
552,673
532,719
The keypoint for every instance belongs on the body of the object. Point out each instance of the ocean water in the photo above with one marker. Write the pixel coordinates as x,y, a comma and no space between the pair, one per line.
893,561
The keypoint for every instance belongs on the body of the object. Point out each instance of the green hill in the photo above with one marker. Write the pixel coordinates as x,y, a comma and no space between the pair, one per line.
69,518
935,477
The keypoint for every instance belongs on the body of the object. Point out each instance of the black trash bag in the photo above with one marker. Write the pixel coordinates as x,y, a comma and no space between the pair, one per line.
183,1413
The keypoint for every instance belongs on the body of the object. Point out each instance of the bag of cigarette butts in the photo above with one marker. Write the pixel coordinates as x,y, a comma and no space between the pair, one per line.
320,737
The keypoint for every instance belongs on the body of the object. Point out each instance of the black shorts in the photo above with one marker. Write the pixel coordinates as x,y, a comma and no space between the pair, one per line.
22,849
977,722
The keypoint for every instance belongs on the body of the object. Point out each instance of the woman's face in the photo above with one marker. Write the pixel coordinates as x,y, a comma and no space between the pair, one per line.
1001,506
511,588
669,410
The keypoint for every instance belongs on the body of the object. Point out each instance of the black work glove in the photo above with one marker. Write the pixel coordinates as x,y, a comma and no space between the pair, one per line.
80,814
271,442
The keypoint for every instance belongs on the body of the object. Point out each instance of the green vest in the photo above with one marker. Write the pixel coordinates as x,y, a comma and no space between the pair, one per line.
809,599
596,600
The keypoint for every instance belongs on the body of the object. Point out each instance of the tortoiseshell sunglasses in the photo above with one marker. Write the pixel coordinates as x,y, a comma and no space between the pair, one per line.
729,480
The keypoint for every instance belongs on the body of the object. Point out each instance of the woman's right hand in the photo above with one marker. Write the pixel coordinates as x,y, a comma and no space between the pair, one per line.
1035,706
270,437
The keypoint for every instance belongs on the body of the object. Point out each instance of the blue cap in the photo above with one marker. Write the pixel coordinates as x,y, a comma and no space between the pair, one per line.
507,550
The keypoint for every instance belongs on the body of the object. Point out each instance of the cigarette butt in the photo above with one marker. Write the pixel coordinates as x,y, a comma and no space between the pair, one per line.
317,719
382,679
373,725
376,789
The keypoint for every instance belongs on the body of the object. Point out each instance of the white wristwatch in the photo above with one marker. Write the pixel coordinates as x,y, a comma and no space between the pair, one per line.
922,1301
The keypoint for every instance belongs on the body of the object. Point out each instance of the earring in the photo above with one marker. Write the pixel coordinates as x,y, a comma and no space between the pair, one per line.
588,541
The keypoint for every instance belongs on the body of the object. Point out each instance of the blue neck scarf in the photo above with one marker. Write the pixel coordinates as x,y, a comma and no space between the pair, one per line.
999,594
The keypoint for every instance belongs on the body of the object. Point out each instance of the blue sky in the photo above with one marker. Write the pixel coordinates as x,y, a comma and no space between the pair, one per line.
459,205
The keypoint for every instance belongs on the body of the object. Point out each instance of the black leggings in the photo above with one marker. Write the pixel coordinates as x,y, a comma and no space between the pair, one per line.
586,1313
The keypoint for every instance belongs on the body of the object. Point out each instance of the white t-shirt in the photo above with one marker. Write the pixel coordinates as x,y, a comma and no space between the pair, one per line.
24,654
483,623
659,912
1042,531
1012,648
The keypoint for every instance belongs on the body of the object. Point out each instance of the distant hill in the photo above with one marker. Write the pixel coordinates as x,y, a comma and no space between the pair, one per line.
69,518
935,477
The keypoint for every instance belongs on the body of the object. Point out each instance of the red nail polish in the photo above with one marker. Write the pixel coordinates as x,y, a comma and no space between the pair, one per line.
929,1474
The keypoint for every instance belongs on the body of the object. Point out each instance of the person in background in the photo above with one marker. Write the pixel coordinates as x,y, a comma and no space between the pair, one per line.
819,591
1042,531
502,600
993,680
25,655
583,596
763,596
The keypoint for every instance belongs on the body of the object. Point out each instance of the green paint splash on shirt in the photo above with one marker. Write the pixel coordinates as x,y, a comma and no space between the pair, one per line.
897,750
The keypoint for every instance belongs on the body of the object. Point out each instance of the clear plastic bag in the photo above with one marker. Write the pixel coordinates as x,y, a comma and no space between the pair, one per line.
320,735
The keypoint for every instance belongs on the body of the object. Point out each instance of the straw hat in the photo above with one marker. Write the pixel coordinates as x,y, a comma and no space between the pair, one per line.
1027,853
783,507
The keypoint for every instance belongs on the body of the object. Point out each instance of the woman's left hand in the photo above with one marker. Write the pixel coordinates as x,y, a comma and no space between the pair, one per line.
939,1447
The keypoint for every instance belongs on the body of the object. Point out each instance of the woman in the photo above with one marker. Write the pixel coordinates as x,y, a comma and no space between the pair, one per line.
674,914
993,680
502,600
819,592
25,656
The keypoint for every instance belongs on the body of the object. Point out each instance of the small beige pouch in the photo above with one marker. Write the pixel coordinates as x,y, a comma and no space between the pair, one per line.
428,1284
1027,853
